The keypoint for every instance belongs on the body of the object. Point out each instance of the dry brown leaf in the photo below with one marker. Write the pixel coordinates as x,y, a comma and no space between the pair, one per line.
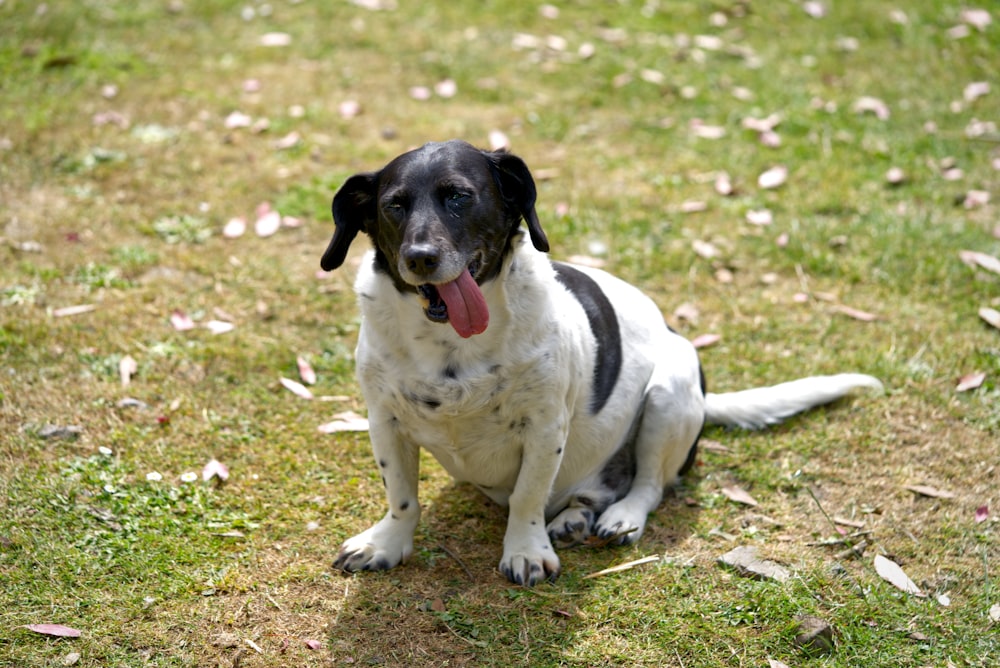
54,630
704,249
234,228
981,260
891,572
773,178
306,372
970,381
215,469
127,368
928,491
705,340
739,495
346,421
982,513
872,105
296,388
760,217
687,311
990,315
857,314
73,310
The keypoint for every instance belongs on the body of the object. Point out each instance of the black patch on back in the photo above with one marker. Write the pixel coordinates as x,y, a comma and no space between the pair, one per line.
603,324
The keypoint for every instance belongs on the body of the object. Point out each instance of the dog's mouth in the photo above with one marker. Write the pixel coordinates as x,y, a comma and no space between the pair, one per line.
459,302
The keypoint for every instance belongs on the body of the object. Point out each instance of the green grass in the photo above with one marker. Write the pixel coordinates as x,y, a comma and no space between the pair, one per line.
128,214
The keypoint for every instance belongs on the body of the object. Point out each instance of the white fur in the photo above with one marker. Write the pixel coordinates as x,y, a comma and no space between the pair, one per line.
515,418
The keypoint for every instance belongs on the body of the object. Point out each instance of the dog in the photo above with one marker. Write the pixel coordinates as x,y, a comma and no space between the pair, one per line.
557,390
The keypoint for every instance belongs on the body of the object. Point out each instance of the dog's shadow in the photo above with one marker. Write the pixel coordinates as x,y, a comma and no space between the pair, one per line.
450,604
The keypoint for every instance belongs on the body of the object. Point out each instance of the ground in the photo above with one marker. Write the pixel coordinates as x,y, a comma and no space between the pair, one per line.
807,187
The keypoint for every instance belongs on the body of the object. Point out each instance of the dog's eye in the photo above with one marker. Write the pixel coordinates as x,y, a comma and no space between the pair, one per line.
456,197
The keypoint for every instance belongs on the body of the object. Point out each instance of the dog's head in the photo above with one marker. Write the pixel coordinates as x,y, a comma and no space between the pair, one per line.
442,219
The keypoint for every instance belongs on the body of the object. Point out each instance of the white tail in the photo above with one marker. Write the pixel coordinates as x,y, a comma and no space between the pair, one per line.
759,407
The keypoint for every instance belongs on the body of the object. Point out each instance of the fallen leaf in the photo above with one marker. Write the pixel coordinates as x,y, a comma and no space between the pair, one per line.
268,224
982,513
349,109
744,560
693,206
313,644
687,311
970,381
723,184
71,659
990,315
446,88
773,178
56,431
975,90
761,124
928,491
704,249
760,217
857,314
975,199
871,105
180,321
705,131
296,388
623,567
705,340
944,600
73,310
54,630
346,421
995,612
814,635
982,260
238,119
815,9
290,140
306,372
274,39
739,496
215,469
420,93
774,663
891,572
127,368
234,227
895,176
498,141
219,326
979,19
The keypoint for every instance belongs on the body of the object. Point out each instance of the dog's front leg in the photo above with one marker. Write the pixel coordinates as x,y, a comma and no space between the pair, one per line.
390,541
528,555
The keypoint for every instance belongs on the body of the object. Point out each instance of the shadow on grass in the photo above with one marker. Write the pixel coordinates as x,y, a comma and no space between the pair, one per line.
449,605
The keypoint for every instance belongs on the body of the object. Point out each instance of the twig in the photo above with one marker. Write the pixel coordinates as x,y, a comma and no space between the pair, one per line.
852,551
461,563
594,541
623,567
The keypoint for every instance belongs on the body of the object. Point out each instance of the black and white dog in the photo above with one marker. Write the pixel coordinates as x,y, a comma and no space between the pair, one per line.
557,390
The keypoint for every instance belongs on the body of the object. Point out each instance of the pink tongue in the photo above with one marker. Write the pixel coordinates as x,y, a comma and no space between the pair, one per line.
467,309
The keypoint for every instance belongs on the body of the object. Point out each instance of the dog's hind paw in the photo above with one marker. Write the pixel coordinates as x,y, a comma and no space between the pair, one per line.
571,527
620,525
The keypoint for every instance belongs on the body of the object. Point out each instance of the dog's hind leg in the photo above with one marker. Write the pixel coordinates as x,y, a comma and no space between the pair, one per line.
672,419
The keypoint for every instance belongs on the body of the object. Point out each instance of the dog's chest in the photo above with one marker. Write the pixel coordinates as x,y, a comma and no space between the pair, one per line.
470,416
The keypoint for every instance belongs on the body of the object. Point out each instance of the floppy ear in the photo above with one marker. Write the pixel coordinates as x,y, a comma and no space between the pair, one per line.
518,190
353,211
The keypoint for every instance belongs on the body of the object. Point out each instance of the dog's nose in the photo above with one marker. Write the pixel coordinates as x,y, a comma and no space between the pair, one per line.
422,259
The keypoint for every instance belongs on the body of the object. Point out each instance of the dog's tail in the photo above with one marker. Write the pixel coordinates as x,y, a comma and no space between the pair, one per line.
759,407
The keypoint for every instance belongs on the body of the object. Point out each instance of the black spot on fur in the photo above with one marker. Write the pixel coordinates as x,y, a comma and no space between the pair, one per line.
450,372
382,463
404,505
603,324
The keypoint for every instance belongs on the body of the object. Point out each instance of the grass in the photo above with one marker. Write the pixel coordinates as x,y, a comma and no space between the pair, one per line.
117,174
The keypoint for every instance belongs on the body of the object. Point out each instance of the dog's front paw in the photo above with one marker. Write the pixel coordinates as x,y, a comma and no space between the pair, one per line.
377,549
530,563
